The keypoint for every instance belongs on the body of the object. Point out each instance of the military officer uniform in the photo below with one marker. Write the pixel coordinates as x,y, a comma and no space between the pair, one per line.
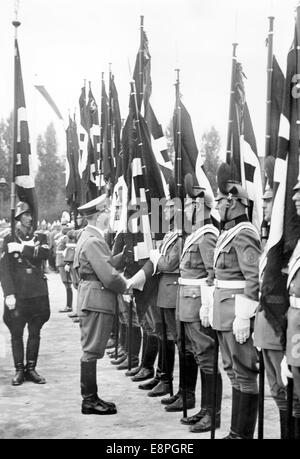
25,291
99,284
235,302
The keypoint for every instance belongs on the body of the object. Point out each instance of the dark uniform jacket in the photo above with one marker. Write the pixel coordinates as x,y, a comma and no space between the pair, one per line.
196,263
100,281
237,260
22,273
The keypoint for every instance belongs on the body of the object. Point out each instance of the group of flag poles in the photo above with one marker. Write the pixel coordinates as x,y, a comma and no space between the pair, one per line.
129,155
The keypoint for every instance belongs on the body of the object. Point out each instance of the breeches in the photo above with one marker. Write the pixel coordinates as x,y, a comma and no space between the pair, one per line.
95,328
240,362
202,344
31,311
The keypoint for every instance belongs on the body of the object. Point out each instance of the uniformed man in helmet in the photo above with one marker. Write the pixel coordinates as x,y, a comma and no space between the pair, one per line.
99,284
195,283
25,292
236,300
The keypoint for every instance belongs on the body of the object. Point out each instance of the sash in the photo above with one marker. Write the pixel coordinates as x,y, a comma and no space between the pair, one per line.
262,264
227,237
294,265
169,240
192,238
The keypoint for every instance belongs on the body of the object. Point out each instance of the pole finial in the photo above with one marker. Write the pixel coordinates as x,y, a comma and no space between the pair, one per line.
16,23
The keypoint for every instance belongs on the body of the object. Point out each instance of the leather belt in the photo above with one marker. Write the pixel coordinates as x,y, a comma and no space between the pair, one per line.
295,302
235,284
89,277
191,282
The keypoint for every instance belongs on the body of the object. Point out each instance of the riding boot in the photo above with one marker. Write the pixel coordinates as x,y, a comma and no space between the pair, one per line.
283,424
190,420
191,371
297,428
18,379
205,423
69,299
136,339
32,351
17,347
248,409
146,369
235,407
91,403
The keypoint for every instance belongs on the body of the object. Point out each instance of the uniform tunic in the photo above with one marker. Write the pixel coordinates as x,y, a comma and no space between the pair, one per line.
293,329
197,263
97,291
236,260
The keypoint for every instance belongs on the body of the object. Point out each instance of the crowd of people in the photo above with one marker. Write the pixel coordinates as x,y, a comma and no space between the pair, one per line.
197,290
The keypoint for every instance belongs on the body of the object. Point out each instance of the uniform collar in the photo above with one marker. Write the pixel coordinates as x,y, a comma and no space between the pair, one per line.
94,228
232,223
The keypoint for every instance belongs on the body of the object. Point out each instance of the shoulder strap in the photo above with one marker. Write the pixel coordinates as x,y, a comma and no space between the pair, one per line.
199,233
230,234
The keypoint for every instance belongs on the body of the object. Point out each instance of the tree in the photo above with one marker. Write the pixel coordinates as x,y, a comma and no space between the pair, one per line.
50,179
210,147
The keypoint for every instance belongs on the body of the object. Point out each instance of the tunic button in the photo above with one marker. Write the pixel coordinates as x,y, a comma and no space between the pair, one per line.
174,282
194,296
232,296
102,288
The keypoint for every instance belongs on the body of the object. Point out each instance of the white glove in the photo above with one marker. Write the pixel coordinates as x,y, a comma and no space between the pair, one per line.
204,316
285,372
30,243
10,302
126,298
15,247
67,268
241,329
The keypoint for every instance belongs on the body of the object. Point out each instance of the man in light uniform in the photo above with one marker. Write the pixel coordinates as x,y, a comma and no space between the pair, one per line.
236,300
97,297
293,329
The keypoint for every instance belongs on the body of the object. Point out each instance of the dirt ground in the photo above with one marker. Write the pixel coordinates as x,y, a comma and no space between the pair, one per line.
52,411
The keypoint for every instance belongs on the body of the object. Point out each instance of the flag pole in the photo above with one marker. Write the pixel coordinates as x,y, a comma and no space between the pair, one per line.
178,180
231,105
141,51
16,23
101,135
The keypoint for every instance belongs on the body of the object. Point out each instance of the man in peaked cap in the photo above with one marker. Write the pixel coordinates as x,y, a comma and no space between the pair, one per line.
293,318
25,292
99,284
235,301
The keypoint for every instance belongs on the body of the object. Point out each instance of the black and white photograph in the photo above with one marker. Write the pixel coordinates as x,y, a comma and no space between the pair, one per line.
150,222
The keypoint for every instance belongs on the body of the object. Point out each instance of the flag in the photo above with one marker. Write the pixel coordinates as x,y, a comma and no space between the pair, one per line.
191,161
285,224
49,99
94,134
142,75
244,158
73,185
86,161
23,171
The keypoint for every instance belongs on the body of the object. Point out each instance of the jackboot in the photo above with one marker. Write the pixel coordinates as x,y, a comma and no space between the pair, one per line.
19,378
297,428
91,403
17,347
69,294
283,424
32,375
191,369
158,375
248,408
204,424
135,371
235,407
191,420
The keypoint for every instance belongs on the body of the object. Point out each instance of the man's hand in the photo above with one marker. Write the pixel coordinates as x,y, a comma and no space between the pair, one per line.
241,329
204,316
15,247
67,268
10,302
285,372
